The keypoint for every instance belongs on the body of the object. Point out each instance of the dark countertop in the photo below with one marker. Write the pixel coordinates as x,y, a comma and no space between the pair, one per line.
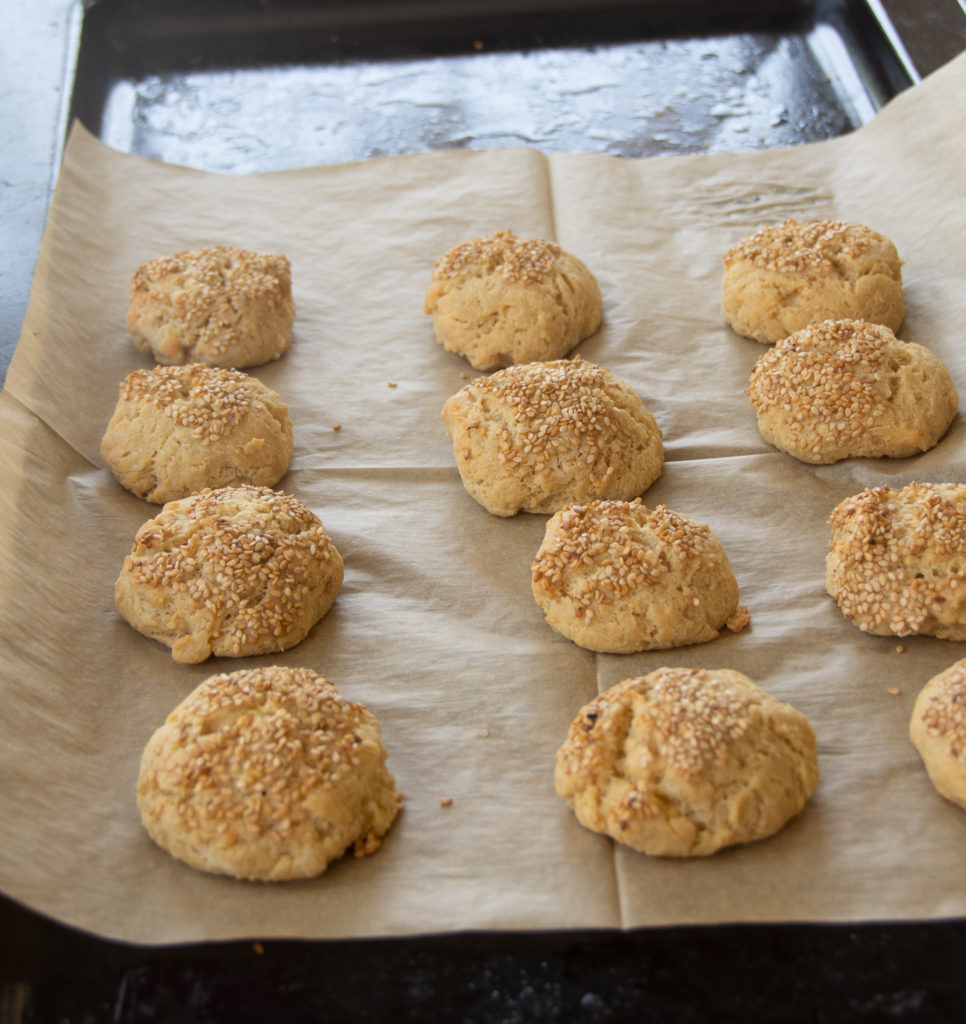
862,972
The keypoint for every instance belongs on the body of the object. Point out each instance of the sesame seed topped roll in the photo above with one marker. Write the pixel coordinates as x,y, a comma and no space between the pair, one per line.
896,564
503,300
937,729
685,761
218,305
266,774
849,388
784,277
231,572
616,577
178,429
537,437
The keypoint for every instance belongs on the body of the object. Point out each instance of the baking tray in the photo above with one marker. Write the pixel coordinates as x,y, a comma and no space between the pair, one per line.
254,86
245,87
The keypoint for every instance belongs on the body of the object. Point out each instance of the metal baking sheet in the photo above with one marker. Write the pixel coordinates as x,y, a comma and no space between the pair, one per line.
245,87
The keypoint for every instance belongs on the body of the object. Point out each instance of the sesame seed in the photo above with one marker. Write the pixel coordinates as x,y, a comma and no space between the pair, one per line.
209,401
240,555
892,555
557,411
693,715
258,744
794,247
629,545
829,391
204,291
527,260
943,712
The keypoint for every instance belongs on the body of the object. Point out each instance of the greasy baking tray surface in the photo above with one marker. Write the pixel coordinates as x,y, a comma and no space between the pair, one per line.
244,87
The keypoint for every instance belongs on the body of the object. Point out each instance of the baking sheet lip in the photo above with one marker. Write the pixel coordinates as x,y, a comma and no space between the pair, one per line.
664,17
488,937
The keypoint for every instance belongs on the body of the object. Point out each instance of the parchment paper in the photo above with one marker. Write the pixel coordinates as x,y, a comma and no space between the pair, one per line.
436,629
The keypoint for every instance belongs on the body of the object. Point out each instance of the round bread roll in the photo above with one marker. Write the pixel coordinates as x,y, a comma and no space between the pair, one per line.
845,388
218,305
618,577
938,731
266,774
537,437
179,429
685,761
504,300
231,572
896,563
786,276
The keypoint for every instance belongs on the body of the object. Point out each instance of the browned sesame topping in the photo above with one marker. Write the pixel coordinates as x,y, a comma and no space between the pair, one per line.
239,554
255,745
794,247
692,715
209,401
895,553
628,545
190,286
517,259
554,409
944,713
831,382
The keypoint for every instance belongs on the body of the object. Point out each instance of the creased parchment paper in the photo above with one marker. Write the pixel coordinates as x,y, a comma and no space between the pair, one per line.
435,629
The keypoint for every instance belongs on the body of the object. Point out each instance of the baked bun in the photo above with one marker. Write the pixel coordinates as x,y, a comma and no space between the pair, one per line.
231,572
685,761
845,388
896,563
618,577
179,429
219,305
784,277
266,774
504,300
938,731
537,437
